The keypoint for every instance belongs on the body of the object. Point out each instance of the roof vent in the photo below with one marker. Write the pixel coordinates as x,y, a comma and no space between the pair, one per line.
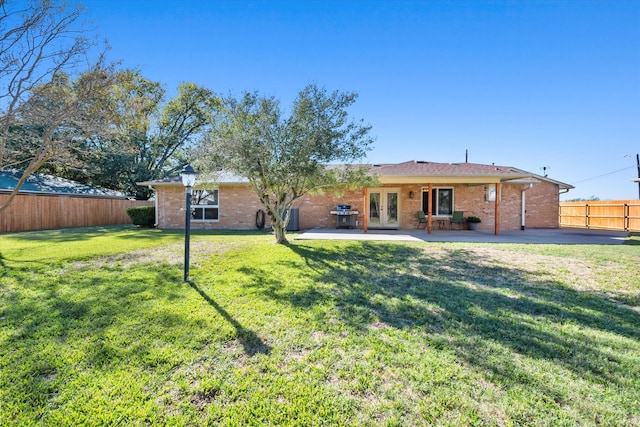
422,162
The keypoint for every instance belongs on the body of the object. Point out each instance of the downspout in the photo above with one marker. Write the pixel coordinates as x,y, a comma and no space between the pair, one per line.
429,209
155,205
365,219
497,208
524,210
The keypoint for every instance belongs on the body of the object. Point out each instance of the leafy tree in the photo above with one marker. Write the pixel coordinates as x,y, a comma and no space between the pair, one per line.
181,121
150,138
283,156
580,199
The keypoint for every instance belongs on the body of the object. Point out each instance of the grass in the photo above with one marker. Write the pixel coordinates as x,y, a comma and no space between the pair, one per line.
98,328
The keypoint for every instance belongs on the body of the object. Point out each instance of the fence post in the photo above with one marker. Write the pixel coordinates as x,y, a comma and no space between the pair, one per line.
587,212
625,221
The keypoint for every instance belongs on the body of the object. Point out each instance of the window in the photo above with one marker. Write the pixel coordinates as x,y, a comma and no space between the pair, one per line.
204,205
490,193
441,201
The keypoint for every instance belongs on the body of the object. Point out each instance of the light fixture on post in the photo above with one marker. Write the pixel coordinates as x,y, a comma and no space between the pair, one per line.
188,176
638,166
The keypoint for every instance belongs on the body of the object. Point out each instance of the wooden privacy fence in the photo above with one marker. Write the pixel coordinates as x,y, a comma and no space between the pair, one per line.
620,215
39,211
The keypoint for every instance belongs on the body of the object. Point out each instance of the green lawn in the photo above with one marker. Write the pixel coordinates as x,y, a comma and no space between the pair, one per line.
98,328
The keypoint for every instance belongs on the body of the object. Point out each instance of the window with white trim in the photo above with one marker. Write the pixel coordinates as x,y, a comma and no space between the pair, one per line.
490,193
204,205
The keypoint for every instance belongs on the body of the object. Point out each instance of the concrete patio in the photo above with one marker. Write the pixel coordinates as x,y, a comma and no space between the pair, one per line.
562,236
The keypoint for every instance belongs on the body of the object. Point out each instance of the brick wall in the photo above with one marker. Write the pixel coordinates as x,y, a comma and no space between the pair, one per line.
474,201
543,206
315,209
541,201
238,206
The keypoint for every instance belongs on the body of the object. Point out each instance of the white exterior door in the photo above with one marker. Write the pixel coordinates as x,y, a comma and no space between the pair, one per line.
384,208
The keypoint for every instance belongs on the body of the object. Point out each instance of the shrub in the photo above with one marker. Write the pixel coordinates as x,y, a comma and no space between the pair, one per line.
473,219
142,216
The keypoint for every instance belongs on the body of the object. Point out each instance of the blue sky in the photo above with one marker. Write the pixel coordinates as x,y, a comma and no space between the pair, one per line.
552,84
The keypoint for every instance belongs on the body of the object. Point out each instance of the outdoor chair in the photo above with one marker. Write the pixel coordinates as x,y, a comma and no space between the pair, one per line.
457,218
422,219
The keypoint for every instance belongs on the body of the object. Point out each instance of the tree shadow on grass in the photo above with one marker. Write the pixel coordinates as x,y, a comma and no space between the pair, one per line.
466,304
62,235
251,342
54,331
98,321
633,239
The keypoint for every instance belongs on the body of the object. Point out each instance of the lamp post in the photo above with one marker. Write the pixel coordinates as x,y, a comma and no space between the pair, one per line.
188,176
638,165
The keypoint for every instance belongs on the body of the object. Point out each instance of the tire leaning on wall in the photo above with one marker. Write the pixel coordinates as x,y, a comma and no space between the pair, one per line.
260,219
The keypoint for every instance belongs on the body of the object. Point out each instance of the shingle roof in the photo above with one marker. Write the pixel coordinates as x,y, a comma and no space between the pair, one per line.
41,183
422,168
416,168
219,177
412,168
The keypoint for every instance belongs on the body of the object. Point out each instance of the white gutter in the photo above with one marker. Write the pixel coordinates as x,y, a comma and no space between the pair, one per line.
155,202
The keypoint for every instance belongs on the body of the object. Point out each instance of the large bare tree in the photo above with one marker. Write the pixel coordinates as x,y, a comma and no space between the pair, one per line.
41,43
53,123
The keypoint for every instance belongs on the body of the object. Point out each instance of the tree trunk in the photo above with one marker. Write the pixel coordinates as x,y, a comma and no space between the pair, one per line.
281,233
278,223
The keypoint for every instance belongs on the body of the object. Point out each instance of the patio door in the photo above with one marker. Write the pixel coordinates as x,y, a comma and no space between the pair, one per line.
384,208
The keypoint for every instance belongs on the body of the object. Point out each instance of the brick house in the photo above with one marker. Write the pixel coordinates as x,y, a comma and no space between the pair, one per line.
504,198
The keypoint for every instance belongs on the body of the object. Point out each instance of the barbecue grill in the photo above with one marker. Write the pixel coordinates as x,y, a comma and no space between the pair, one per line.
345,216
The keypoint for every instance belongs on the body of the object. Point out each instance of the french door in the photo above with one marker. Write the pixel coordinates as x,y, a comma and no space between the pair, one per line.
384,208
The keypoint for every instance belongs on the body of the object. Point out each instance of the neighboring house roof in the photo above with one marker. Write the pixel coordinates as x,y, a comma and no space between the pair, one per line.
409,172
48,184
